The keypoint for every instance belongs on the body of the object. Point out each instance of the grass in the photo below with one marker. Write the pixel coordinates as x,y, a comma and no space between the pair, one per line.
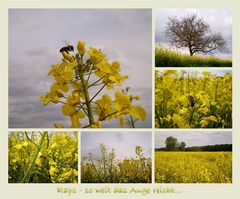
165,57
193,167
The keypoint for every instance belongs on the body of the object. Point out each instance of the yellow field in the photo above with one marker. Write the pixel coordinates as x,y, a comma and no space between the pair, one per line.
193,167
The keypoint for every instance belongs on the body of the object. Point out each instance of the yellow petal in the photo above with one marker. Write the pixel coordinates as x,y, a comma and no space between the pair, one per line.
72,65
54,88
68,57
18,146
68,110
44,100
81,47
105,67
68,75
138,112
97,124
116,65
122,121
81,114
179,121
106,98
65,88
110,86
185,101
122,101
75,121
112,78
25,143
59,79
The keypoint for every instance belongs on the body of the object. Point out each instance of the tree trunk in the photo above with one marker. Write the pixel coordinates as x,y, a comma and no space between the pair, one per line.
190,51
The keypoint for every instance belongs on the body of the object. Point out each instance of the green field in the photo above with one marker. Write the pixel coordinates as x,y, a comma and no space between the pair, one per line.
193,167
165,57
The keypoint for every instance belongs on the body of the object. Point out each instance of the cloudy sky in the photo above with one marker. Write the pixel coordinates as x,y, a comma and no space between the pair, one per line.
35,37
124,143
220,20
194,138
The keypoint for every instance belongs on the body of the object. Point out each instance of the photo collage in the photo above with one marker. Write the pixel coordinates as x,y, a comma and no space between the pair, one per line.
120,95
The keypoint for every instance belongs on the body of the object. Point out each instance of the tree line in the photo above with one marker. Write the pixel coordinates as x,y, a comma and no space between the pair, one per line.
172,144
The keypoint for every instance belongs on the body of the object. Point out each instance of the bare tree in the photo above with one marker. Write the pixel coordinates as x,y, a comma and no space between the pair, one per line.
195,34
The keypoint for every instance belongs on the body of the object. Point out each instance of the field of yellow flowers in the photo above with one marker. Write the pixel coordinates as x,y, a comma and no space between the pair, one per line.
193,167
43,157
193,99
108,169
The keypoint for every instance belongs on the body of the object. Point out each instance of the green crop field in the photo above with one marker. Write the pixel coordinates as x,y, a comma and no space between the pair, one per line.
193,167
165,57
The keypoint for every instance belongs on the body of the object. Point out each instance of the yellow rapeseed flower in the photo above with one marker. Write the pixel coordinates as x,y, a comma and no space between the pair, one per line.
104,107
96,56
81,47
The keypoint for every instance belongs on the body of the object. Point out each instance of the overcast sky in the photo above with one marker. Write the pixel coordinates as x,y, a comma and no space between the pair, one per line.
220,20
124,143
35,37
195,138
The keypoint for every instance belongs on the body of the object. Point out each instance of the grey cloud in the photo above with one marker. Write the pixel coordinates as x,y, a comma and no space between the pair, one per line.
35,37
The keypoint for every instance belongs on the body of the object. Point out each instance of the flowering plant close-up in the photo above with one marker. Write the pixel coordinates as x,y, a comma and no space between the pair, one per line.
79,80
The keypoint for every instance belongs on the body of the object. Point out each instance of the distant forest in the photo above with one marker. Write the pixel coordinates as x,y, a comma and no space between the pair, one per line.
172,144
216,147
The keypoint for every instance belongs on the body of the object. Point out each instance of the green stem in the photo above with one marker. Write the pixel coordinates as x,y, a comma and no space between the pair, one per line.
99,177
102,119
104,167
87,98
132,122
191,116
88,102
89,75
142,165
98,92
158,117
27,174
30,139
95,83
